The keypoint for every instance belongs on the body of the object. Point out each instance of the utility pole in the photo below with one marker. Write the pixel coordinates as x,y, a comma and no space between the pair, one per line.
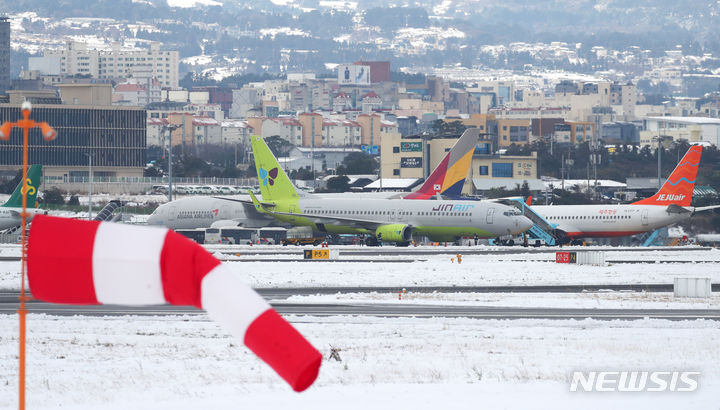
167,130
562,171
659,153
90,177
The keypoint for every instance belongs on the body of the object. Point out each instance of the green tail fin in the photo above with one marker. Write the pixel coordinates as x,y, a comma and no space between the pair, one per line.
34,176
274,183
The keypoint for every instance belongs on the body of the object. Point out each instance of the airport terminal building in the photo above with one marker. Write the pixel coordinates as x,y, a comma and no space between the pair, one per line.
114,136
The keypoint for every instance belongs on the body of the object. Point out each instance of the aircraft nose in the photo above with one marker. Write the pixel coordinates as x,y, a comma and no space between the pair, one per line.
523,223
154,218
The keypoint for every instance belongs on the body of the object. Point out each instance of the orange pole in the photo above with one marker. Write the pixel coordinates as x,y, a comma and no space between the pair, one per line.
22,312
48,134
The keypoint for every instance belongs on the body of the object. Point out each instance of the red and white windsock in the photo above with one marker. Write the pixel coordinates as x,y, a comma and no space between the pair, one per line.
90,262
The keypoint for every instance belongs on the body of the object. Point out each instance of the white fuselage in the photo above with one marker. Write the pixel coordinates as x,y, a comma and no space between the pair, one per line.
608,220
11,217
199,212
426,217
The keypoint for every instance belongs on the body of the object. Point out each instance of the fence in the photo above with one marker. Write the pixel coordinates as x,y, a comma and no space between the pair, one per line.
135,185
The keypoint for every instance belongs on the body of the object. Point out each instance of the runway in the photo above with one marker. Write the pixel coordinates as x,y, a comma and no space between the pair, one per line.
10,296
399,309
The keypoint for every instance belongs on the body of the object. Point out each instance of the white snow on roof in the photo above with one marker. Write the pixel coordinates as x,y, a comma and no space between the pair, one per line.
192,3
607,183
688,120
392,183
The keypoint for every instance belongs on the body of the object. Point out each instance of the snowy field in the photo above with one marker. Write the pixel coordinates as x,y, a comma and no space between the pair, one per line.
188,362
585,300
495,269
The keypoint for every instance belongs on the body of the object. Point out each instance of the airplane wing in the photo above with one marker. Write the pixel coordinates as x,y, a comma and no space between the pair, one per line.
334,220
319,219
246,202
705,208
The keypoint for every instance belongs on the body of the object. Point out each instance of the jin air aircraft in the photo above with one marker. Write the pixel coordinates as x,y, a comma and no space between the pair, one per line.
391,220
205,212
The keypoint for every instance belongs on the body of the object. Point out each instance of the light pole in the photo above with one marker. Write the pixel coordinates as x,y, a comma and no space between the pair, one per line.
664,142
90,176
170,128
48,134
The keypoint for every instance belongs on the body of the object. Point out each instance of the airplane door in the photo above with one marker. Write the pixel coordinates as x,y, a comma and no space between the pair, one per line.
490,214
644,217
172,211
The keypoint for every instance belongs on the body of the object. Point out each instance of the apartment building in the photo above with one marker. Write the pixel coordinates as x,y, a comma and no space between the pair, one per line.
4,54
691,129
114,62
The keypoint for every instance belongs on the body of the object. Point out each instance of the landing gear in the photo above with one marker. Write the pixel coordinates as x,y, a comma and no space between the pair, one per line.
371,241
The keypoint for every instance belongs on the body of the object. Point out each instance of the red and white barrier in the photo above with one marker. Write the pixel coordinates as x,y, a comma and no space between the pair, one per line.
90,262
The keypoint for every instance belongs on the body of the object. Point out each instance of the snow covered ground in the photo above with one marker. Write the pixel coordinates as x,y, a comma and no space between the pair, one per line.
493,269
478,270
588,300
189,363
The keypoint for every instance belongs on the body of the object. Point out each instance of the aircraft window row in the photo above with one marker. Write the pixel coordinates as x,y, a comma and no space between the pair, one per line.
337,212
433,213
589,217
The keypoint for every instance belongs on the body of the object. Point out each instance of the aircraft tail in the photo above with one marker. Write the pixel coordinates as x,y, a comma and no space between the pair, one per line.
34,176
678,189
274,183
448,178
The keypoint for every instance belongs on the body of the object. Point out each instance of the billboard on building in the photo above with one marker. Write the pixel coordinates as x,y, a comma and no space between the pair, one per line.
411,162
350,74
370,149
411,147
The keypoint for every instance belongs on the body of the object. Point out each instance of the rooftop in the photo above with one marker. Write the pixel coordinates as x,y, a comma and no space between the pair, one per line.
688,120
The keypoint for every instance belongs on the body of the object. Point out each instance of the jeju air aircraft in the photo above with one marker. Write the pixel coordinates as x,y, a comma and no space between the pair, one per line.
391,220
10,211
671,204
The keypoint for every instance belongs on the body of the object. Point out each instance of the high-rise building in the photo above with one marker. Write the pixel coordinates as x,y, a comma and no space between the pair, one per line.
113,63
4,54
114,136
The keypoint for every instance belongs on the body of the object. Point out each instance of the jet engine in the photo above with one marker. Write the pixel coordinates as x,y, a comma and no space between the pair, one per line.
394,232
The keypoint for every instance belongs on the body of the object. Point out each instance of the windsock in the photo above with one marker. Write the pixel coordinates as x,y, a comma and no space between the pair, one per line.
91,262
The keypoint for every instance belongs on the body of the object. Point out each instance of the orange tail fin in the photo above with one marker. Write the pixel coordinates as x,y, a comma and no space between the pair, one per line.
678,189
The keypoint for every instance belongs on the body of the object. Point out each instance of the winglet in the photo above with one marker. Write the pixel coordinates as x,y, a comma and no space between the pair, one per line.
529,201
257,204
